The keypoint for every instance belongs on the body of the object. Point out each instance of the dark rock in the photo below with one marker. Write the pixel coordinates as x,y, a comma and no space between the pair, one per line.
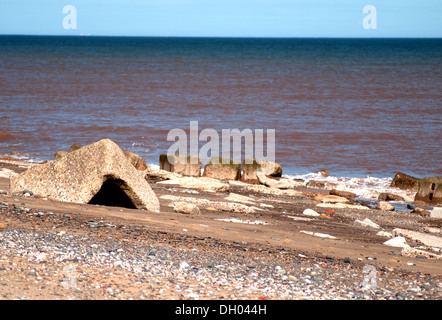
74,147
422,212
136,160
405,182
28,192
341,193
390,197
316,184
323,173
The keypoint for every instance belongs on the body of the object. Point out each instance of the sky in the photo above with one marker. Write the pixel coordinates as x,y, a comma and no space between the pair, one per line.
223,18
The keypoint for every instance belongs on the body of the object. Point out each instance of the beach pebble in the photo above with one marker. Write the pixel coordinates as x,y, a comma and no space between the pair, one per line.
397,242
385,206
366,223
311,213
186,208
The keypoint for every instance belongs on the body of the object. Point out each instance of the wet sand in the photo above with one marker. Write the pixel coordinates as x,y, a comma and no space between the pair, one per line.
205,243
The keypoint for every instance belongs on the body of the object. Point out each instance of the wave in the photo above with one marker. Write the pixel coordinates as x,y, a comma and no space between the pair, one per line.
366,188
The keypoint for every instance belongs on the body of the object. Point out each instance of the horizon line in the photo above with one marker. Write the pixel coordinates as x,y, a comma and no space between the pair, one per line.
221,37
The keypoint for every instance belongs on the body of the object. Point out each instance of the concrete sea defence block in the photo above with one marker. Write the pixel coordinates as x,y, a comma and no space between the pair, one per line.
185,165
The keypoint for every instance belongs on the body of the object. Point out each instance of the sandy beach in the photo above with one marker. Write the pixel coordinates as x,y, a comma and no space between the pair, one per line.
54,250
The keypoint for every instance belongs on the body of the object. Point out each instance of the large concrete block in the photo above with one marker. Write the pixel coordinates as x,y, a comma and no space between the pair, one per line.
430,190
222,169
186,165
99,173
252,167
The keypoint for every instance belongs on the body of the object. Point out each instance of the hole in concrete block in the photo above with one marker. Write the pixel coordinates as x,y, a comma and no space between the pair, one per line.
112,194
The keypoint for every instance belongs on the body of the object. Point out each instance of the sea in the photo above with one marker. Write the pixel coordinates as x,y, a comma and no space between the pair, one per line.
362,109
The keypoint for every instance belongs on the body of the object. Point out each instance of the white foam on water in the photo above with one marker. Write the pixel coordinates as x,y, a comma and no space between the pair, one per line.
365,188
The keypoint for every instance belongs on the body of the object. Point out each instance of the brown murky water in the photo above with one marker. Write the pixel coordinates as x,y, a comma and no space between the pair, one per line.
354,107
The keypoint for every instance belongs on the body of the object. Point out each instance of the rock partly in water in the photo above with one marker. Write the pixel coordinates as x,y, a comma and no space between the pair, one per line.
98,173
185,165
405,182
385,196
430,190
222,169
323,172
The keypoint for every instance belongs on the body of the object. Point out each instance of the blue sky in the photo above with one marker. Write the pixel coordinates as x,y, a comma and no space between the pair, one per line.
231,18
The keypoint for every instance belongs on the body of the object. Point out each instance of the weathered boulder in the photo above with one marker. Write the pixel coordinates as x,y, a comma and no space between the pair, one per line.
74,147
136,160
222,169
98,173
385,206
60,154
155,173
323,173
341,193
280,183
185,165
316,184
328,198
385,196
251,167
430,190
186,208
405,182
259,188
421,211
